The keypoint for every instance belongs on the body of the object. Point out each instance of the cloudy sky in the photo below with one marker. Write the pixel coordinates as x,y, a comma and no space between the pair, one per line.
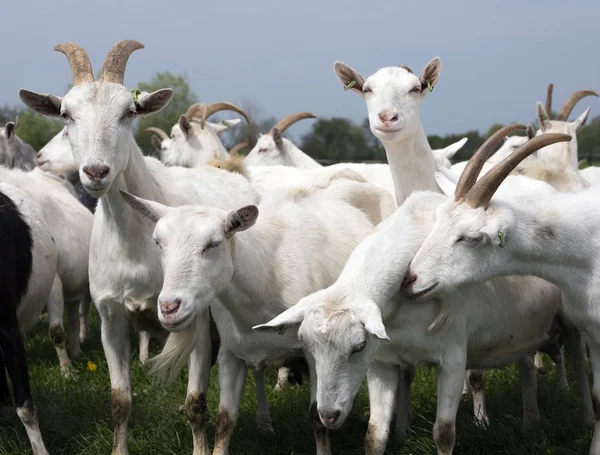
497,57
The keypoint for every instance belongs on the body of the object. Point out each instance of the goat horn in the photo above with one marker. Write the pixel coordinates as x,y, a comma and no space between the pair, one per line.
218,107
235,150
482,192
81,67
548,104
473,168
113,69
160,133
288,121
565,111
195,110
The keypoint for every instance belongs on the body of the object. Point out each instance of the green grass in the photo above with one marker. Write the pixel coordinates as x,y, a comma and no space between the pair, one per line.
75,415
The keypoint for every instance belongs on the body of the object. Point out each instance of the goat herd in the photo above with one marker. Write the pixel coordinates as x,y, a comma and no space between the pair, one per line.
271,260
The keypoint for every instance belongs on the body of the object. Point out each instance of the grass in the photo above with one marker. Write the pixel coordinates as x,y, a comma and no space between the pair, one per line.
75,415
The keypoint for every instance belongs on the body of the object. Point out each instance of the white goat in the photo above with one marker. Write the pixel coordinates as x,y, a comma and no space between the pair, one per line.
442,156
298,245
125,272
341,329
194,140
539,236
161,142
393,97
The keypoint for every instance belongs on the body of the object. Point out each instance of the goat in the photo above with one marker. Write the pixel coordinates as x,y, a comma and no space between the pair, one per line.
70,225
13,151
27,280
541,236
194,140
442,156
341,329
125,272
205,254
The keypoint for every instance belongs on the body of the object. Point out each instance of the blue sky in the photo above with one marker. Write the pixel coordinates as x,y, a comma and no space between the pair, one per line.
497,57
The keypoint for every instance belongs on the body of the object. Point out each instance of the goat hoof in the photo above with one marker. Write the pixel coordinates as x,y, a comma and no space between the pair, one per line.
67,371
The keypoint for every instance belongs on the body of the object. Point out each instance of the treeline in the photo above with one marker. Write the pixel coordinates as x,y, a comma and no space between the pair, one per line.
332,139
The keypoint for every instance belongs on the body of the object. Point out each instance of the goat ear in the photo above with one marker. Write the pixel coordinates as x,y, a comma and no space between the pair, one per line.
446,185
580,121
184,124
371,319
430,74
350,78
542,116
225,125
278,138
156,142
240,220
150,209
451,150
9,129
154,102
41,103
530,132
291,317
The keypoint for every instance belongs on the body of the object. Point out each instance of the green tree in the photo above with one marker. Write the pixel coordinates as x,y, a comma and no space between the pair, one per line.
183,97
337,139
588,142
37,130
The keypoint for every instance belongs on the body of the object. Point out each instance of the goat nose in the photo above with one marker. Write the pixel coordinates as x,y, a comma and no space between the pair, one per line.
170,307
39,155
409,279
388,116
330,417
96,172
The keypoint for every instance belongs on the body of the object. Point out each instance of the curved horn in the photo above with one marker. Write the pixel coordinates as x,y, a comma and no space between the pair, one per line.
218,107
473,168
160,133
235,150
288,121
548,105
195,110
482,192
565,111
81,68
113,69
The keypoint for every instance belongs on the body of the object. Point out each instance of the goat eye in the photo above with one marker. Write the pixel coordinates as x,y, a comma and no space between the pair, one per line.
460,239
157,243
210,246
359,347
416,89
65,116
367,90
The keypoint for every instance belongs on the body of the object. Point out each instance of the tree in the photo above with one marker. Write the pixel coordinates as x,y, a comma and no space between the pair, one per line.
337,139
183,97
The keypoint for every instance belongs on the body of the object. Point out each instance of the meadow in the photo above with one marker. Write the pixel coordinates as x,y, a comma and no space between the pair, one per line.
74,414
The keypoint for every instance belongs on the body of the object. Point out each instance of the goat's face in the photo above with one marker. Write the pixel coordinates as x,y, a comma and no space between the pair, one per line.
165,150
98,118
462,247
393,96
511,143
562,149
56,155
193,146
266,152
196,247
340,335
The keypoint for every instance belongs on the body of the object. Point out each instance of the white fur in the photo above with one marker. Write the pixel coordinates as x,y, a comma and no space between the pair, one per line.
299,244
70,225
450,332
442,156
198,146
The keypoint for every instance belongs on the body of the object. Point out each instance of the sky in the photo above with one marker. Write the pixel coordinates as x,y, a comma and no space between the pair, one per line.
497,57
